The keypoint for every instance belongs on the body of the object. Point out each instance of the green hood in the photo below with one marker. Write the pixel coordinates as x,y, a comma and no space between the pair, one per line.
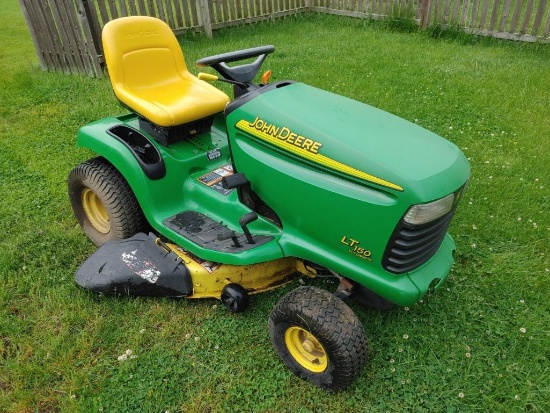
354,140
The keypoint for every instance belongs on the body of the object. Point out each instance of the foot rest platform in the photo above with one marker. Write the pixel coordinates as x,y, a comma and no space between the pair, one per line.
204,231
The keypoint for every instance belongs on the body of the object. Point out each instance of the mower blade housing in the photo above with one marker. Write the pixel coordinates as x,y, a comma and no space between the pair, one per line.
136,266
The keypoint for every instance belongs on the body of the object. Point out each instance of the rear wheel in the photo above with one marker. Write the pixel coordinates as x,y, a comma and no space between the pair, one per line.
318,337
103,202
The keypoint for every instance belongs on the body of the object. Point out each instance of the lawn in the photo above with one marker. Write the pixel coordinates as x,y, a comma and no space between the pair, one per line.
480,343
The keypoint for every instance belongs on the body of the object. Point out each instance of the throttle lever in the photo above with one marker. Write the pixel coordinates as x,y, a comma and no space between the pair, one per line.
244,221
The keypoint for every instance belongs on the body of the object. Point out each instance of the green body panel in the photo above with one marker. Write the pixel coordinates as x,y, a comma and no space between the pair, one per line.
180,189
339,221
329,216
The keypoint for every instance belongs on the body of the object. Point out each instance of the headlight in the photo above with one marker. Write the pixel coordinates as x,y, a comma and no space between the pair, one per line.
423,213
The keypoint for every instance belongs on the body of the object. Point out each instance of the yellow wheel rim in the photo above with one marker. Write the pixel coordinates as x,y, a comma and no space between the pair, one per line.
95,211
306,349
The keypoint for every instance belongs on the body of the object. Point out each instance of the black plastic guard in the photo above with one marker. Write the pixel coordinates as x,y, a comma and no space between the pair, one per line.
135,266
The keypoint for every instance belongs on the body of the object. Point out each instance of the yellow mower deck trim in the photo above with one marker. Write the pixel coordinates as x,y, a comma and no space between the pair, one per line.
209,278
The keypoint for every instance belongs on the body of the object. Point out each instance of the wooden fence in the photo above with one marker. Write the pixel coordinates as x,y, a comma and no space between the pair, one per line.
525,20
67,33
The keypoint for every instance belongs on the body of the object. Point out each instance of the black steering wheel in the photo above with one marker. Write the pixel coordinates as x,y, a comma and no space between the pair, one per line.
244,73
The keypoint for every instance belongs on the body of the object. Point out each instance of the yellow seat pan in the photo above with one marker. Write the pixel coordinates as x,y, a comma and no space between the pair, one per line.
149,75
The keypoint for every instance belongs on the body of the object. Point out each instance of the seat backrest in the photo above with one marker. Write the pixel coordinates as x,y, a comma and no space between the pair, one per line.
141,52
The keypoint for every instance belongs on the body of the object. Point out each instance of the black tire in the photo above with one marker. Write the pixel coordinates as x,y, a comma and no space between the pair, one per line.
103,202
318,337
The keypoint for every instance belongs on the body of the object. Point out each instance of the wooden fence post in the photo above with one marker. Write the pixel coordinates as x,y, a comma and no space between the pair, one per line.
30,25
92,34
205,17
425,8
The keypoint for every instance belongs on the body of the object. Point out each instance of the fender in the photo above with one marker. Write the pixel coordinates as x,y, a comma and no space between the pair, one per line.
146,175
177,188
96,137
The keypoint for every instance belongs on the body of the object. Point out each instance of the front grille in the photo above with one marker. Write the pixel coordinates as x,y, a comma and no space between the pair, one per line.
412,245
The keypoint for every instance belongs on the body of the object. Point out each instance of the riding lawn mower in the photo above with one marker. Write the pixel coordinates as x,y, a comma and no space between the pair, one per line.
196,195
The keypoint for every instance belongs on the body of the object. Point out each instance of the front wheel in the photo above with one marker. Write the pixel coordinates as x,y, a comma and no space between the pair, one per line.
318,337
103,202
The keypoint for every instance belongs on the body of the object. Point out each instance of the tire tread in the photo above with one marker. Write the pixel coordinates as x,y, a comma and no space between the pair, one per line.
334,324
126,216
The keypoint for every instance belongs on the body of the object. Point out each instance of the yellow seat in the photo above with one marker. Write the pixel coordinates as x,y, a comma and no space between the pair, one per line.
149,75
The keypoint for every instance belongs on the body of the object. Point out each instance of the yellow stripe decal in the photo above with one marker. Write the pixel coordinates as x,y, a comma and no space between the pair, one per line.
307,149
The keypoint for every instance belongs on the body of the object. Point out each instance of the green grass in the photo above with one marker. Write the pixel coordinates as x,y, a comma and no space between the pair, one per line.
481,343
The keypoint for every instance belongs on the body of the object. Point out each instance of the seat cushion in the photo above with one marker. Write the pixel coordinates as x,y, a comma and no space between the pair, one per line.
149,74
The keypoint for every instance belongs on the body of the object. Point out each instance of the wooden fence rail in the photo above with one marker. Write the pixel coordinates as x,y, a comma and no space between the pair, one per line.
67,33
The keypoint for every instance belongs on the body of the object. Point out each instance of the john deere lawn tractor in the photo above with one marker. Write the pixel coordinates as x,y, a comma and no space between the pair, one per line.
196,195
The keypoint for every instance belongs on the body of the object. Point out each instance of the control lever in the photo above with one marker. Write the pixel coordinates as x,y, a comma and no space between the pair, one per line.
228,234
240,182
207,77
244,221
